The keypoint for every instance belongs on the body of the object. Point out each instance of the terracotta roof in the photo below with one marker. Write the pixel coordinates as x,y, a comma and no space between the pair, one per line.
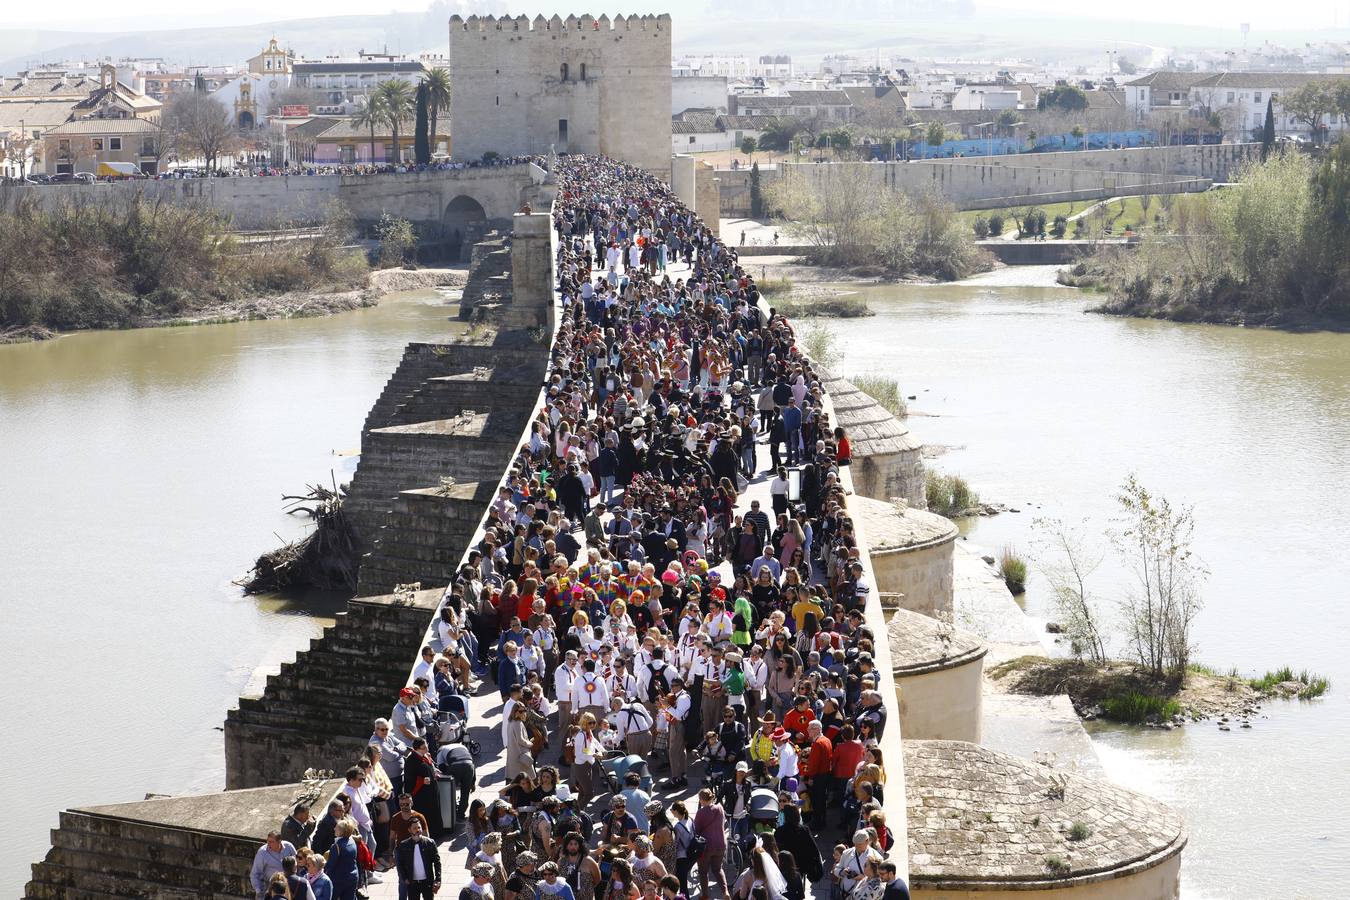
746,123
983,820
1105,99
312,128
34,115
122,92
346,129
47,86
695,123
764,102
105,126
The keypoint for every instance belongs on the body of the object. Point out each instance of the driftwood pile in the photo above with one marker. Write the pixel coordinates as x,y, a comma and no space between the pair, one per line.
326,558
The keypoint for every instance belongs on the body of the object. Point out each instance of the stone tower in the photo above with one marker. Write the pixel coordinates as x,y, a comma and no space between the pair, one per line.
578,85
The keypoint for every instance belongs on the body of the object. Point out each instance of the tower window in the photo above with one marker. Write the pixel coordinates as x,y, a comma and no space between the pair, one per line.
583,71
562,72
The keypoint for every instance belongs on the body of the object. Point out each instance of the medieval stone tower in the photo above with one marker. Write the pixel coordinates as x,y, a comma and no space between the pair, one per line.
578,85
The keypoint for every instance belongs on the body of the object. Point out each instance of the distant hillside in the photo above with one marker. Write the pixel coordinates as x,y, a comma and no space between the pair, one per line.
988,34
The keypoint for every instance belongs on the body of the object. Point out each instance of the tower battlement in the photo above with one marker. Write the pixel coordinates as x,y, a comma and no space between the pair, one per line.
573,85
557,25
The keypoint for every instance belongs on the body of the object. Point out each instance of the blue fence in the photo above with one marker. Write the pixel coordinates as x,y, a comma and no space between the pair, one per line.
1093,140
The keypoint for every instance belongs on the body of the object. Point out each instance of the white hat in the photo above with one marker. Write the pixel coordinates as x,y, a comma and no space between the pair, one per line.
563,793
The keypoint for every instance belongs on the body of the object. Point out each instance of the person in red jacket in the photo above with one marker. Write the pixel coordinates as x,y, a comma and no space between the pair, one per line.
848,753
797,719
819,771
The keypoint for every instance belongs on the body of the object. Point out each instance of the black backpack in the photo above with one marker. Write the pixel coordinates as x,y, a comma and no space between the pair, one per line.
658,684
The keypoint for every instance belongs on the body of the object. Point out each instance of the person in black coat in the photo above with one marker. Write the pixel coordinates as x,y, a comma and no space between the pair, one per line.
672,528
417,844
324,833
572,495
419,778
796,838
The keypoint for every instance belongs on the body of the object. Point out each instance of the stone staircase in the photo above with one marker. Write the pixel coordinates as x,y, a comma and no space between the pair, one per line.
318,711
427,531
489,284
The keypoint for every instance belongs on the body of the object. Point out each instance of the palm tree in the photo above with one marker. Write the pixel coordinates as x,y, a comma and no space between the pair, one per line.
438,97
368,115
397,96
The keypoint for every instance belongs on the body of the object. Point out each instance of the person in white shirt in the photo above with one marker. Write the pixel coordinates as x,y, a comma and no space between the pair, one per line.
671,718
587,751
355,788
787,757
590,694
426,667
634,723
621,682
563,677
852,866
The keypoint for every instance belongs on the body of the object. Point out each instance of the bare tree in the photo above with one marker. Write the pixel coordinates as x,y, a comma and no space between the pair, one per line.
1068,563
1154,541
202,124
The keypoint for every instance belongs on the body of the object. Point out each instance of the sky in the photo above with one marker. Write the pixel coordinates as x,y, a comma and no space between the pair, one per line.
94,15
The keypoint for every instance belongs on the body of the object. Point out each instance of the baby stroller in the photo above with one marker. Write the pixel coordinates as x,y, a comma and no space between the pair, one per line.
617,766
763,810
452,728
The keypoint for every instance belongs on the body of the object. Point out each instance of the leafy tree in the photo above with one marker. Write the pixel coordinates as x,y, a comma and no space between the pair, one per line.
981,228
1068,563
748,146
935,135
756,193
1309,104
778,134
1061,225
397,95
1268,130
1065,97
437,82
421,145
1005,121
1154,541
1126,66
1078,132
368,115
995,225
202,124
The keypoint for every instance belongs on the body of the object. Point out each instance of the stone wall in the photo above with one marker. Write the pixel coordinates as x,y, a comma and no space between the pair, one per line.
424,198
991,182
575,85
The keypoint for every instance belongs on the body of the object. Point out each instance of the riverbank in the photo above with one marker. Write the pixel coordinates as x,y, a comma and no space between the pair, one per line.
286,305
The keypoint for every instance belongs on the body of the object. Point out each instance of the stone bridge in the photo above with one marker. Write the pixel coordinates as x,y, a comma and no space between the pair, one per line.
439,202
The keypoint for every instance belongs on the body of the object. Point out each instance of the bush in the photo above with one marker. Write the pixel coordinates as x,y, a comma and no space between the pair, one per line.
1013,569
995,225
1058,865
398,240
981,228
1135,708
1080,831
1313,685
770,286
949,495
819,342
884,390
1060,226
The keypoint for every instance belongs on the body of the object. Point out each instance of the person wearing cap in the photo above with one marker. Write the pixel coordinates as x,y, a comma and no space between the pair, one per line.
852,866
419,865
480,888
550,886
408,727
647,866
761,745
521,884
787,757
618,825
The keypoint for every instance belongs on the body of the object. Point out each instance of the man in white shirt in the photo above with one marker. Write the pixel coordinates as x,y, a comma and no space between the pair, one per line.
714,698
563,677
612,257
671,720
633,722
756,677
590,694
419,865
787,756
852,867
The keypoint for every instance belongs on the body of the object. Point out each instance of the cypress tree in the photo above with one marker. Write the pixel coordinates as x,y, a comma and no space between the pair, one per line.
756,193
1268,131
421,144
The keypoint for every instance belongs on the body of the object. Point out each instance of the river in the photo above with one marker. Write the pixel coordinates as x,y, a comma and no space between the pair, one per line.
143,472
1047,409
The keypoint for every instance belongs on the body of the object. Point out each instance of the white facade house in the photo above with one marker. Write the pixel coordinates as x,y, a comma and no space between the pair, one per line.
701,92
1240,98
986,96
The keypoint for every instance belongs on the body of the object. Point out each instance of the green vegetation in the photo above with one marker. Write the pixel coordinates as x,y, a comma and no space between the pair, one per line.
1063,97
772,286
1080,831
995,225
756,192
850,222
820,343
1268,250
1057,865
398,241
1312,685
827,306
128,261
1136,709
884,390
949,495
1013,569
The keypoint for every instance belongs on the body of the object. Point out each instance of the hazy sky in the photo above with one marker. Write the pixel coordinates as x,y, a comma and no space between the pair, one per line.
82,15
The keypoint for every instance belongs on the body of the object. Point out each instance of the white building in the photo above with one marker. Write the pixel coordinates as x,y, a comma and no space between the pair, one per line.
986,96
698,93
1239,98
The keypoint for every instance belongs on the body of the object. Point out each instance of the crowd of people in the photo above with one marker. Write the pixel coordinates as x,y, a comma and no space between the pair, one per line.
636,615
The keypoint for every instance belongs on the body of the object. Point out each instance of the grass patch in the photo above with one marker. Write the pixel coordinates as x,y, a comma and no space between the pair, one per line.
1311,685
771,286
886,391
821,345
1013,569
1079,831
1135,708
833,306
1057,865
949,495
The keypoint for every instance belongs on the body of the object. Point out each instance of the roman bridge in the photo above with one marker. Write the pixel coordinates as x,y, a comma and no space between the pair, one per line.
440,202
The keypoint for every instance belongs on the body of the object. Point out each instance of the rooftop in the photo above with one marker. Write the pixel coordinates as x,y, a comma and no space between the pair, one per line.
889,528
871,428
105,126
981,820
247,813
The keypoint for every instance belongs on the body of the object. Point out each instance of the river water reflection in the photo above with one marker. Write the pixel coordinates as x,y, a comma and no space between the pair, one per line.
142,472
1047,409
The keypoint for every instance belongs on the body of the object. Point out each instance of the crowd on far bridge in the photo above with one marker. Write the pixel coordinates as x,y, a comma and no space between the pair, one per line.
667,601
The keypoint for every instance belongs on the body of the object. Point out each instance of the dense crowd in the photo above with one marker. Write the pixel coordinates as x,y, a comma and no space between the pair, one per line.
636,614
